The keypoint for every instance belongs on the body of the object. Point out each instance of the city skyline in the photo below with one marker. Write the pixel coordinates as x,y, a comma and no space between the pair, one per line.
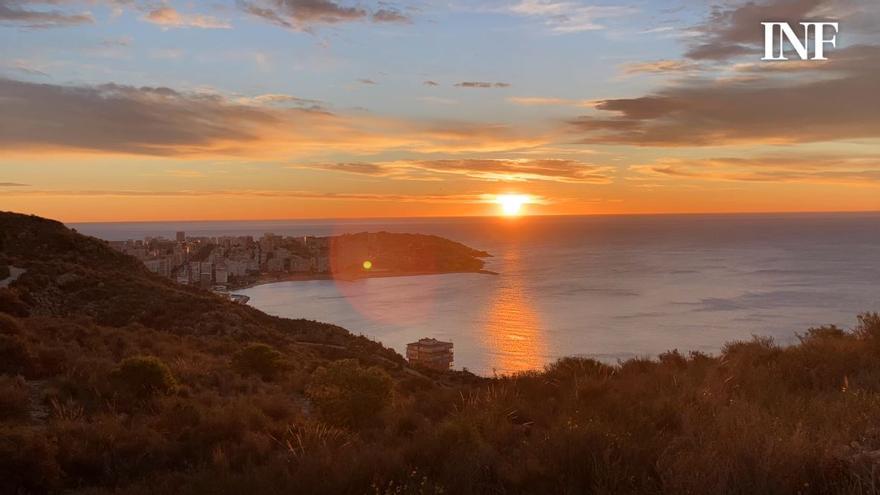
125,110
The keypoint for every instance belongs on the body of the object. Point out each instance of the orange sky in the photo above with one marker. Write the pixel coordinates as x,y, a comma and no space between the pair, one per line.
123,115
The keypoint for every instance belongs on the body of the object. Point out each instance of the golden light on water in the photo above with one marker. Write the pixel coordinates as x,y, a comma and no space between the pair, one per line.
513,331
512,204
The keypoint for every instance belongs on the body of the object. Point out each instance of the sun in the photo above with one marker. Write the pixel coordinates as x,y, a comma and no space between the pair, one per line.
511,204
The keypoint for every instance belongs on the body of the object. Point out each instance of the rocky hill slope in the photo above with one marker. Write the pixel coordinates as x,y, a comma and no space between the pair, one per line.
116,381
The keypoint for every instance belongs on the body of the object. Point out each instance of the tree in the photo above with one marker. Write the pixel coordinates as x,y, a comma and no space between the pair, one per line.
347,394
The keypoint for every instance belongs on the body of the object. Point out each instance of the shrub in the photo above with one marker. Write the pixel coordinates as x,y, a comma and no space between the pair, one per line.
27,463
14,398
347,394
571,368
9,325
143,377
868,326
258,359
12,304
819,334
15,356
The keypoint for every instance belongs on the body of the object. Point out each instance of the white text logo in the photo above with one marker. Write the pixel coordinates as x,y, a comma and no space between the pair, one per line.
776,34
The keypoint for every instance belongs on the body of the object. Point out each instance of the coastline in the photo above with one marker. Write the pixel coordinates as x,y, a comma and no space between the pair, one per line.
348,277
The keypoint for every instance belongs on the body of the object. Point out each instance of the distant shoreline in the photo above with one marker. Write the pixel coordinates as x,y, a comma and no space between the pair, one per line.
78,224
348,277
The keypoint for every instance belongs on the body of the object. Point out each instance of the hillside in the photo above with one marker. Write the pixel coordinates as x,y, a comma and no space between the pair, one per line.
400,254
116,381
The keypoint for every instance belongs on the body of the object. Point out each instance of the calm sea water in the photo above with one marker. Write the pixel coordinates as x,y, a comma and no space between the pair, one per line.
603,287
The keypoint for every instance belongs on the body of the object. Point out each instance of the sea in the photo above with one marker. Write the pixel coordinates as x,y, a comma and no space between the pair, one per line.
604,287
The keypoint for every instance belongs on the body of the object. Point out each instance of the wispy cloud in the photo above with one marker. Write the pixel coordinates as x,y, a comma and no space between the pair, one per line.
437,100
280,100
530,101
160,121
28,13
186,174
304,14
860,170
492,170
564,16
26,67
675,67
482,84
259,193
169,17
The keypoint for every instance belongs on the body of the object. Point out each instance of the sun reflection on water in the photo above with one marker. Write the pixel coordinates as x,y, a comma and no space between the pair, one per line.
513,333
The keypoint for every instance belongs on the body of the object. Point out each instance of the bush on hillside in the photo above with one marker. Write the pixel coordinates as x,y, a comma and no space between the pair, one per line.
11,303
9,325
15,357
868,326
258,359
14,398
143,377
348,395
27,463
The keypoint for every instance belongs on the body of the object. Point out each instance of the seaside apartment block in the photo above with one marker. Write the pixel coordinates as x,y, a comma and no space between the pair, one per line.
430,353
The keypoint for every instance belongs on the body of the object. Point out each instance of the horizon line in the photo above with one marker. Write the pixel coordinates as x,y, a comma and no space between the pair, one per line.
497,217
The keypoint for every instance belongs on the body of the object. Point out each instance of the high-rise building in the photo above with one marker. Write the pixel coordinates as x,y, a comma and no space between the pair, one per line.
221,275
181,236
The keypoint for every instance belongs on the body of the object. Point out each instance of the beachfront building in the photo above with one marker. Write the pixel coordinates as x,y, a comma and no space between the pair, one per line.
430,353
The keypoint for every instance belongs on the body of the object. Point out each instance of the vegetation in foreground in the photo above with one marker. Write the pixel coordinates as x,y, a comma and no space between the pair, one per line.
115,381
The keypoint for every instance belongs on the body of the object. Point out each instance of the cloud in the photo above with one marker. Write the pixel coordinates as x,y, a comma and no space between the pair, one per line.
736,30
519,170
262,193
437,100
815,102
186,174
530,101
12,184
121,42
303,14
353,168
659,67
569,16
24,67
480,84
390,15
861,170
125,119
117,119
281,100
22,13
368,82
169,17
431,83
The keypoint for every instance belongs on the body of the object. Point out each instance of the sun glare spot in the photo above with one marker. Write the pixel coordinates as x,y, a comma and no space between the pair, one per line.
367,265
511,204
